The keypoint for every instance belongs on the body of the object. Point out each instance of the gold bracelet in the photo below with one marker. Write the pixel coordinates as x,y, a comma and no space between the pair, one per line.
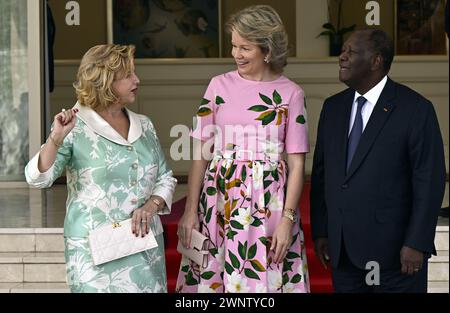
290,214
157,202
54,141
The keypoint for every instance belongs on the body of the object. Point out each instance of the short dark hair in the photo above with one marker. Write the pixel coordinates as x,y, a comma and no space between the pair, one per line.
383,45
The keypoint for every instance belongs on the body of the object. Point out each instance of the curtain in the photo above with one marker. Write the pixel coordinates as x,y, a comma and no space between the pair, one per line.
13,89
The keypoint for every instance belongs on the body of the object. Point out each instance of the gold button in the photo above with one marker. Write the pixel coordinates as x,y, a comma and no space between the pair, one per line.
134,201
133,183
129,148
134,166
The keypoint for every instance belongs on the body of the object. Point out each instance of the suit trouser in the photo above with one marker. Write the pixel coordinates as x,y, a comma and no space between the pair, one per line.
347,278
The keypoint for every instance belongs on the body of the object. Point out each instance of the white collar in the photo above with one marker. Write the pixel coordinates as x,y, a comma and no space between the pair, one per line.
97,124
373,94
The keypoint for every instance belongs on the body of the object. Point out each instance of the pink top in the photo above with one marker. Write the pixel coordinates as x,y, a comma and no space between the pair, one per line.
260,116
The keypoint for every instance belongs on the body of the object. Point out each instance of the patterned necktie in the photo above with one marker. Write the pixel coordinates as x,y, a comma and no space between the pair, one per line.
356,132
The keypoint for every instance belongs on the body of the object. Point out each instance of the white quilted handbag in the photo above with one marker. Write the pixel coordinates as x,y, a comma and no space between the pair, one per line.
115,241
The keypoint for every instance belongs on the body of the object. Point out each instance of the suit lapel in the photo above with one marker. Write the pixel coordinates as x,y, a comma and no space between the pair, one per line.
381,112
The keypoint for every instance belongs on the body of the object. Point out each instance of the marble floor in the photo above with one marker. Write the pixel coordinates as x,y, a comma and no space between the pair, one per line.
35,208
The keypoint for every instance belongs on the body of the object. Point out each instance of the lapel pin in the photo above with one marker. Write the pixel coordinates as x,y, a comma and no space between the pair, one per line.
385,109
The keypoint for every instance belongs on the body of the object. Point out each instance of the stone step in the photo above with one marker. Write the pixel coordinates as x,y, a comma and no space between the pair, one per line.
52,240
31,240
438,287
34,288
441,238
25,267
438,267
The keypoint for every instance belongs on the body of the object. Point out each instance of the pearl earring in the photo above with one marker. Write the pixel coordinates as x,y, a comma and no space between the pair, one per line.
266,59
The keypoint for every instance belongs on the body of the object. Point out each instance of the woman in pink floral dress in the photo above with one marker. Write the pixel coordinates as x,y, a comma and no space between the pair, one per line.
244,197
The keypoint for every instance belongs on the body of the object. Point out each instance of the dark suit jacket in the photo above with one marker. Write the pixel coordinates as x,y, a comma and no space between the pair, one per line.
391,195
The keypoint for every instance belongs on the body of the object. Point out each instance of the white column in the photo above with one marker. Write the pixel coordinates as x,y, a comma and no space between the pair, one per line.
311,15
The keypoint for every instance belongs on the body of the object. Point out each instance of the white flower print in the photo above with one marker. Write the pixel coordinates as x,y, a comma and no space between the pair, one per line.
275,280
258,173
275,203
244,217
261,288
237,284
288,288
205,289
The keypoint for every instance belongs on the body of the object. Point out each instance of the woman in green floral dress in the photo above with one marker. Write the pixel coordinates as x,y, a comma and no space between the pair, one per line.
115,170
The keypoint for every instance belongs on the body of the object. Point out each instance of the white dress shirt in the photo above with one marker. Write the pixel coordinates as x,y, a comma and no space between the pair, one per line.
372,97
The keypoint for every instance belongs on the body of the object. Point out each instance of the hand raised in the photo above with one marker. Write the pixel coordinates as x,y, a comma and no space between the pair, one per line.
64,122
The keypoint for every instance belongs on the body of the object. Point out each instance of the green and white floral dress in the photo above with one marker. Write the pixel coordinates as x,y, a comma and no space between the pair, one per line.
109,177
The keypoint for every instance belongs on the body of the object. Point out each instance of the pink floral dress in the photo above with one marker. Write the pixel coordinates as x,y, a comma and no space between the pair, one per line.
250,124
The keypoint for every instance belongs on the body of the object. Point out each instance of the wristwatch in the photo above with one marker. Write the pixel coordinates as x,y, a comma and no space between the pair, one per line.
290,214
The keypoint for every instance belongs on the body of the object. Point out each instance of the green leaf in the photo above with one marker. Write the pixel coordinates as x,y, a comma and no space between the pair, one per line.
210,178
287,265
285,278
223,170
213,251
231,171
292,255
276,97
211,191
267,183
266,99
219,100
205,101
204,111
221,184
266,198
257,265
208,214
242,251
329,26
296,279
207,275
252,251
229,268
190,280
236,225
263,240
325,33
243,173
275,175
234,260
231,233
346,29
265,174
185,268
257,222
300,119
258,108
251,274
269,118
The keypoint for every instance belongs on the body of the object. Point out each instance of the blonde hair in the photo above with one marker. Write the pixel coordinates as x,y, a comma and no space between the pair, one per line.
99,68
261,25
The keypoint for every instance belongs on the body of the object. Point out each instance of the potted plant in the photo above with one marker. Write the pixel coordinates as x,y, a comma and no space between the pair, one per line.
335,34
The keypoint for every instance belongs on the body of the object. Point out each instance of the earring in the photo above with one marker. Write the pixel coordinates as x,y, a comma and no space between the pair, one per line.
266,59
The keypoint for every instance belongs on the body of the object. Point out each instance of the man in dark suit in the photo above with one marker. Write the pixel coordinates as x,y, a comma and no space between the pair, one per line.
378,175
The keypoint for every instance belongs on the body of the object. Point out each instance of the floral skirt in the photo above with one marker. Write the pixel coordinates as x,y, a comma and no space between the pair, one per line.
240,206
137,273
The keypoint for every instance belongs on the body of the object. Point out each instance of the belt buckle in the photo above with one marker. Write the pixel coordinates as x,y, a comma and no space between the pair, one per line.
250,155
